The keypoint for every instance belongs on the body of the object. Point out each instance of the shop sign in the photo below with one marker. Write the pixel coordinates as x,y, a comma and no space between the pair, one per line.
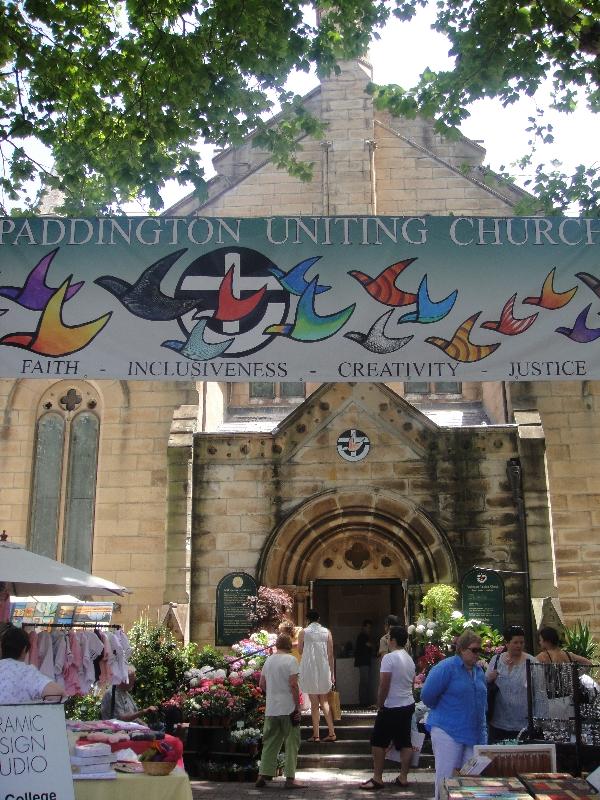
34,756
483,597
232,621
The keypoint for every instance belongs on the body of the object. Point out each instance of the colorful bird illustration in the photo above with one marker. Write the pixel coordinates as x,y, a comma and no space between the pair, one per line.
308,325
196,347
591,281
580,332
550,298
52,337
383,287
144,298
35,292
376,340
295,280
460,347
428,311
231,308
508,324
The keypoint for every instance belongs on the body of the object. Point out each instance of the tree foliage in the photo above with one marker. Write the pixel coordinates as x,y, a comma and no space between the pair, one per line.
506,50
121,92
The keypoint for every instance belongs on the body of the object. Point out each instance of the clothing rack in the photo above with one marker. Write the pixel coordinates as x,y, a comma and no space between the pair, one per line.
92,625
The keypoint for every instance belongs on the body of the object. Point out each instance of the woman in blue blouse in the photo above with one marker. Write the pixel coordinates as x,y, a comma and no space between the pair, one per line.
456,692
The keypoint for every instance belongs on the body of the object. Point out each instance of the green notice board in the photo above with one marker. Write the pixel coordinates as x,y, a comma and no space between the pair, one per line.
232,615
483,597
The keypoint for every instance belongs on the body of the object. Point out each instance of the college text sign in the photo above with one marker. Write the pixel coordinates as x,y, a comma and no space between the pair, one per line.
300,298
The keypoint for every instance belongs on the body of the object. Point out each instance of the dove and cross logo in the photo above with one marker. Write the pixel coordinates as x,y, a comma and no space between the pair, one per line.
232,302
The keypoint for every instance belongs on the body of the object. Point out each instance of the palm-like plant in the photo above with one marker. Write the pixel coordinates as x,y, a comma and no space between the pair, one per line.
579,640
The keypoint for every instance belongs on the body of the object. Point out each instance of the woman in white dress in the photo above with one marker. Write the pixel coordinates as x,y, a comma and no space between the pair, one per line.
315,646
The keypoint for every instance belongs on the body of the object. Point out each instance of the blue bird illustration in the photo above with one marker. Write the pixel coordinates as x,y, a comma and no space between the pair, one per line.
196,348
376,340
308,325
295,280
428,311
580,332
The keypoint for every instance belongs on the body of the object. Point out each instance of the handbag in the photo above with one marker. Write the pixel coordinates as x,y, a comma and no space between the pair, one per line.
333,698
492,693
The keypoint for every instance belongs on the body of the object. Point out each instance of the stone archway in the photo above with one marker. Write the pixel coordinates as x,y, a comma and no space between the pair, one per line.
353,533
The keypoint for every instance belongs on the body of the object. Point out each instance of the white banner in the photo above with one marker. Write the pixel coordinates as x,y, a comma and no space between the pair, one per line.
300,298
34,753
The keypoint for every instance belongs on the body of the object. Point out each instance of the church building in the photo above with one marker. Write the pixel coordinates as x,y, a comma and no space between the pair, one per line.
355,497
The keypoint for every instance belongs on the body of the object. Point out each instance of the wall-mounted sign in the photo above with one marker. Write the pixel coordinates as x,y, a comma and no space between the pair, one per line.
232,623
34,756
353,445
483,597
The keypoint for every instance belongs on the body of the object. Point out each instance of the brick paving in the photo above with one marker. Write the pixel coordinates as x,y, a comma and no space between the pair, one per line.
321,784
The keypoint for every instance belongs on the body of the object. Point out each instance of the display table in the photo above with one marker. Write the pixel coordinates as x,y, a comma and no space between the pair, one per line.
175,786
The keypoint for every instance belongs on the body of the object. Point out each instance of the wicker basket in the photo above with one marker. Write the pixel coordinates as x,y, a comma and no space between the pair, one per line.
158,767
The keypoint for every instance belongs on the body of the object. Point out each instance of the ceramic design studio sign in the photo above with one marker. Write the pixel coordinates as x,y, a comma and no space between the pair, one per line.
34,753
238,299
483,597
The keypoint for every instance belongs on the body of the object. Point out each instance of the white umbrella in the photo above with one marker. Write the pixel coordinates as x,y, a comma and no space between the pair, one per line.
26,573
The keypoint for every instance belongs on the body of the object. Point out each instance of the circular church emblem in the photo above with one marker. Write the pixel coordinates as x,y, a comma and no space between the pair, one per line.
237,582
353,445
237,294
481,577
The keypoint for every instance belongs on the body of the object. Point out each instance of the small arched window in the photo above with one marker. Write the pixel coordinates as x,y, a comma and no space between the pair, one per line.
61,522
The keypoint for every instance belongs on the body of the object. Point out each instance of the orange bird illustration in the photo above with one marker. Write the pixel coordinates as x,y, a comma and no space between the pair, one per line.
508,324
230,308
549,298
383,287
52,337
460,347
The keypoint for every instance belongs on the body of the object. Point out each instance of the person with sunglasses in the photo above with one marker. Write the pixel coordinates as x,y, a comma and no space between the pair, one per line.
455,691
508,672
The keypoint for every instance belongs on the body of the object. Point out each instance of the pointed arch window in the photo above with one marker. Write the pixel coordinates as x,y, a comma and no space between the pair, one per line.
61,522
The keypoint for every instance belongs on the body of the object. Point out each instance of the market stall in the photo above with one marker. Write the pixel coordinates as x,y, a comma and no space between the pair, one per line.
175,786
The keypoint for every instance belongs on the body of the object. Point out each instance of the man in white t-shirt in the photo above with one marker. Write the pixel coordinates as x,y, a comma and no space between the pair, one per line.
20,682
396,705
279,682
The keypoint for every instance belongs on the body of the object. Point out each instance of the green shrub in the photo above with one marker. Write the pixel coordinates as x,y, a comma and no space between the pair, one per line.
160,662
579,640
84,708
439,602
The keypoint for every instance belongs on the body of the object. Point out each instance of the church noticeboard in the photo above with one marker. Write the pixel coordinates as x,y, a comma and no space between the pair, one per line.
232,615
483,597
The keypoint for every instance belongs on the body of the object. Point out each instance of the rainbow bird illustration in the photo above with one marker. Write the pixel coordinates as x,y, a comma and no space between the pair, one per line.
549,297
383,287
52,337
376,340
231,308
591,281
295,280
460,347
35,292
196,347
580,332
508,324
428,311
309,326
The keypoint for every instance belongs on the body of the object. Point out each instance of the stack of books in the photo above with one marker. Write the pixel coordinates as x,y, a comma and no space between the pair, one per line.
558,786
476,788
93,762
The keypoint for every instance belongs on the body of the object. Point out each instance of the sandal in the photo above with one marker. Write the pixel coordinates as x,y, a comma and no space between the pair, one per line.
313,739
295,785
371,785
404,784
331,738
260,782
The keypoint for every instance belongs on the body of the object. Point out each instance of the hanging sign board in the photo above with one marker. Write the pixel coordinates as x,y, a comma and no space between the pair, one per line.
232,623
237,299
483,597
34,753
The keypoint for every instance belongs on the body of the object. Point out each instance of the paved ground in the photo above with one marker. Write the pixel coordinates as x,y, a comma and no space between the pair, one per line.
321,784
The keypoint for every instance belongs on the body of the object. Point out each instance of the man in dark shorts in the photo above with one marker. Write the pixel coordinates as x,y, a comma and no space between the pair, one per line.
396,705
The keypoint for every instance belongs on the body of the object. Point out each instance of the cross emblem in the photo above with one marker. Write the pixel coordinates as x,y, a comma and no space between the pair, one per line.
70,400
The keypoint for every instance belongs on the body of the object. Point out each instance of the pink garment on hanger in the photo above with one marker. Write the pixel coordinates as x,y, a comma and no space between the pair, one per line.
32,653
45,654
71,668
4,605
105,674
